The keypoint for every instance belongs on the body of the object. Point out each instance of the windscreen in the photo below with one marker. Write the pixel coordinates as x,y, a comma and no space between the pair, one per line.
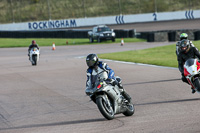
34,49
189,62
103,29
93,79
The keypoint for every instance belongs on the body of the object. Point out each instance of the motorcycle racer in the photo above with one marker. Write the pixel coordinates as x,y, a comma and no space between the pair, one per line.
186,52
33,45
95,67
182,36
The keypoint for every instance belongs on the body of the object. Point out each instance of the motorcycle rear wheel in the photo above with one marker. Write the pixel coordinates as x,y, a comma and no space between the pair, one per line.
130,110
105,109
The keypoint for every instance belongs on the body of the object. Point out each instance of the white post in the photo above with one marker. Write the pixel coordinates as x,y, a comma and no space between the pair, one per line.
49,11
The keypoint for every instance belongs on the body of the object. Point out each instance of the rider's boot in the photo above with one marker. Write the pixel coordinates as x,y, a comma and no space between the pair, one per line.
193,90
123,92
126,95
29,56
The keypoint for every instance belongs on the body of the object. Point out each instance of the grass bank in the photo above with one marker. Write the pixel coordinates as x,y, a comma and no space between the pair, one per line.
162,56
39,10
25,42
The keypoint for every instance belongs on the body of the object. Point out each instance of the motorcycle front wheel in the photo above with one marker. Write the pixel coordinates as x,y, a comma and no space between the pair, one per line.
197,84
104,108
34,62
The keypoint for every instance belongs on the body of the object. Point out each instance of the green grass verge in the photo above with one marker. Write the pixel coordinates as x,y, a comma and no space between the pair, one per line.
162,56
25,42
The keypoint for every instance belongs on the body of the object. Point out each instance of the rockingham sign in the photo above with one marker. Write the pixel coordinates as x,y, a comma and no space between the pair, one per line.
120,19
52,24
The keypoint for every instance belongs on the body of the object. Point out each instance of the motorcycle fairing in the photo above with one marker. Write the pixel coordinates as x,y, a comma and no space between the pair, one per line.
191,69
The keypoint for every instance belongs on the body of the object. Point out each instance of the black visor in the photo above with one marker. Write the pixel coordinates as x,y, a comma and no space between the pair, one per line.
90,63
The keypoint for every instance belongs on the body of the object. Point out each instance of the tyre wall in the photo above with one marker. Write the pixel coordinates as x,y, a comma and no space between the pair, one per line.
162,36
157,36
60,34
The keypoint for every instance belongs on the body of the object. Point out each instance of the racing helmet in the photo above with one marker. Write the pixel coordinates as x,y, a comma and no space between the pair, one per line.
183,36
184,45
92,60
33,42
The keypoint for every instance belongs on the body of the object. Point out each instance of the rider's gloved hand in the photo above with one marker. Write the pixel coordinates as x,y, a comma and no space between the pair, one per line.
114,82
88,91
111,81
108,80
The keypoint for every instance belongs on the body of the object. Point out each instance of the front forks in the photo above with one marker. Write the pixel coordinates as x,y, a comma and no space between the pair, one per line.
192,81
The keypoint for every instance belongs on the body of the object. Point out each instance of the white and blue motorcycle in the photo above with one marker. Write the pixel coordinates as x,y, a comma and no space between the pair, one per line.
108,98
34,56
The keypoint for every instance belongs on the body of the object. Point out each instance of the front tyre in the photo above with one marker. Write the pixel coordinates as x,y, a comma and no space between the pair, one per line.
129,109
99,39
197,84
104,108
91,40
34,60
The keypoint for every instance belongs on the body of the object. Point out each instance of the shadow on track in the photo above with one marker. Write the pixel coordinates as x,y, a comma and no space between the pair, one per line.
172,101
55,124
169,80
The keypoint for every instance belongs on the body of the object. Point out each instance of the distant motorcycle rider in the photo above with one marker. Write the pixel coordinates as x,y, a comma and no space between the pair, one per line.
182,36
186,52
33,45
94,67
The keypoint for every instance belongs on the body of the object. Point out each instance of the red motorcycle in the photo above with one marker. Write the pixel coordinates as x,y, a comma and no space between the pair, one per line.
192,73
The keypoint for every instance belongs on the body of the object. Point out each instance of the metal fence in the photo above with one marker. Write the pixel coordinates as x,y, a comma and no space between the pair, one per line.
39,10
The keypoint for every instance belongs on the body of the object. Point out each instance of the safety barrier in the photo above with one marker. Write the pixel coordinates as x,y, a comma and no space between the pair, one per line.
156,36
60,34
162,36
197,35
44,34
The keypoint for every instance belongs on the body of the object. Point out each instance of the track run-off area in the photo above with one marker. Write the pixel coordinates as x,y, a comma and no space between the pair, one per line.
50,97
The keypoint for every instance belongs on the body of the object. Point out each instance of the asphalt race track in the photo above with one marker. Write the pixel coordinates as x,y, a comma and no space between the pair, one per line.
50,97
